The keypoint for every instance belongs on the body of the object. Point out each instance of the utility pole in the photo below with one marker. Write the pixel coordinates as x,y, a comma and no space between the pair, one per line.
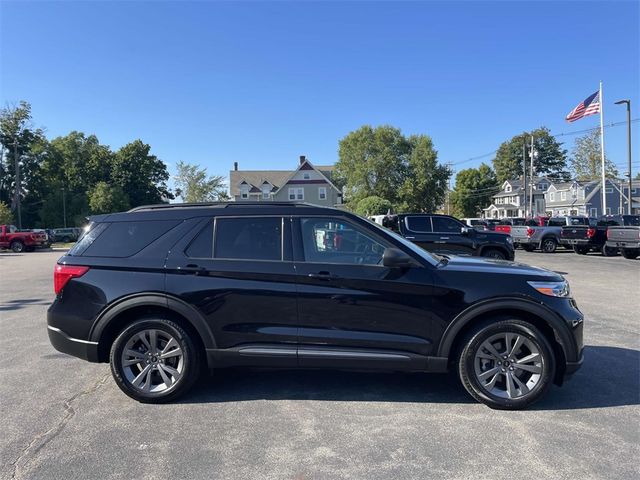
524,173
64,209
450,165
18,187
629,198
533,155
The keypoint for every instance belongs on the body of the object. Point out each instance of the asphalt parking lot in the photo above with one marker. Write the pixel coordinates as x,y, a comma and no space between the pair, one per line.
65,418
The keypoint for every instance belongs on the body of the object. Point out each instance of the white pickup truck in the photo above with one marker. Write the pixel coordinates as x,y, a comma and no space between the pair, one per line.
546,238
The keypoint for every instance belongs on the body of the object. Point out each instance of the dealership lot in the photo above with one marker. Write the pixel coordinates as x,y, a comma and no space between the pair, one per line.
65,418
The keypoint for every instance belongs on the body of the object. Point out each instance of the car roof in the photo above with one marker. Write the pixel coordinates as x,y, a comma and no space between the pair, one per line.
181,211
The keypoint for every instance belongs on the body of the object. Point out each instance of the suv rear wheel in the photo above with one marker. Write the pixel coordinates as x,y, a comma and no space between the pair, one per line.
506,364
154,360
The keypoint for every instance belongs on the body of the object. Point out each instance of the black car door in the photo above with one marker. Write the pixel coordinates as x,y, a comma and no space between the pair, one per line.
418,229
237,272
450,236
353,311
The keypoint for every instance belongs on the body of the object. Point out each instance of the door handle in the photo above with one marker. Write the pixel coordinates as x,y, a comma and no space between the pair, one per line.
192,268
444,238
322,276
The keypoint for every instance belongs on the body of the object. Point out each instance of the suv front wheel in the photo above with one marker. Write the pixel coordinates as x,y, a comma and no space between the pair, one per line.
154,360
506,364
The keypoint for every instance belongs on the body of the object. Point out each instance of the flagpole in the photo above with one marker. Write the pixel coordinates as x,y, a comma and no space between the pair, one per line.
604,190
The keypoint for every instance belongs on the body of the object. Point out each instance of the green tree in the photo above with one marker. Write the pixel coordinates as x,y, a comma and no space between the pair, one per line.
587,158
6,217
141,175
373,205
372,161
425,184
551,159
105,198
473,191
193,184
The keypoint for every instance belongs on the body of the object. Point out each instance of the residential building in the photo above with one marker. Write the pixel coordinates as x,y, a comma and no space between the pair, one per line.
509,202
585,197
307,183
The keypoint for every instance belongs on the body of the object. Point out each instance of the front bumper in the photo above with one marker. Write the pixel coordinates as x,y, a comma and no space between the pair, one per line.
76,347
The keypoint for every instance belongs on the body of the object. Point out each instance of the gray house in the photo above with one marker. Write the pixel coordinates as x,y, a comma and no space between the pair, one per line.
585,198
509,202
307,183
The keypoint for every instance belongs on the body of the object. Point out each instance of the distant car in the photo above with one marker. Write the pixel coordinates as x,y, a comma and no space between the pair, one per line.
67,235
11,237
626,238
447,235
477,223
546,238
593,237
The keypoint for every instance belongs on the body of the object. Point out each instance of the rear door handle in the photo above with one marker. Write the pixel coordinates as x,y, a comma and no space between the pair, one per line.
192,268
322,276
444,238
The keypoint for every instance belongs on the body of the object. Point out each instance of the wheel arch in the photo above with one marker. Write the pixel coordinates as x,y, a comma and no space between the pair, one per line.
549,324
114,319
500,248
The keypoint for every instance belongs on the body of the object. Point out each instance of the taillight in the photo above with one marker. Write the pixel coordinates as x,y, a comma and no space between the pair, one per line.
608,234
530,232
591,232
63,273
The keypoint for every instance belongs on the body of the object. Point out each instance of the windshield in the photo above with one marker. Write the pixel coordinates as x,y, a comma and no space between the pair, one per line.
632,220
428,256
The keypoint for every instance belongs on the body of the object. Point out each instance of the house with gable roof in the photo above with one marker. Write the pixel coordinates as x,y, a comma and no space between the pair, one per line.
509,201
307,183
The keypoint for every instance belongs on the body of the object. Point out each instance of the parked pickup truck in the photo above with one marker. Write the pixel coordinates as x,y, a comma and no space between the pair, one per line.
448,235
17,241
546,238
586,238
626,238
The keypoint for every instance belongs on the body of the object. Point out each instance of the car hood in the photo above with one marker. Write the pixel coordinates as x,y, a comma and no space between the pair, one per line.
490,265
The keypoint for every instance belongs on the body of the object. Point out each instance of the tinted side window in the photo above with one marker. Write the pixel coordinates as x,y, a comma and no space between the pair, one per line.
557,222
445,225
579,221
248,238
202,245
632,220
419,224
123,239
327,240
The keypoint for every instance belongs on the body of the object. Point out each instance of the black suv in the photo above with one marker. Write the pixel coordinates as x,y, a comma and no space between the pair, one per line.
448,235
163,292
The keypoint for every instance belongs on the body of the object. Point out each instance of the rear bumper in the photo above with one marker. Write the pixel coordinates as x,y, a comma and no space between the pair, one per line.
614,244
76,347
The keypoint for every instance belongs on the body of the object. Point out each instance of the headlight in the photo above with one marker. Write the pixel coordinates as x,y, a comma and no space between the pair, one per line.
553,289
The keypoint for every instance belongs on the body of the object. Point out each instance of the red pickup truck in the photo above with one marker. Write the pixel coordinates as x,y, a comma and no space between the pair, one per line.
17,241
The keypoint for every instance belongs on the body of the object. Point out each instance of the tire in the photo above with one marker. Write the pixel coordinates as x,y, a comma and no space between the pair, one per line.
549,245
529,248
17,246
166,378
630,253
494,253
495,390
581,250
609,251
66,239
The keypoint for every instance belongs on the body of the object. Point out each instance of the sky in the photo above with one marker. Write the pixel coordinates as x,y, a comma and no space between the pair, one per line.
260,83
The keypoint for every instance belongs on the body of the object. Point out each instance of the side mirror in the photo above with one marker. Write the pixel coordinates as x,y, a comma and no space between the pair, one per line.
466,230
394,258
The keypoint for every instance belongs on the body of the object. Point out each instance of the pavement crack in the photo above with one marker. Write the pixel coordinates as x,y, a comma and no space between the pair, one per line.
43,439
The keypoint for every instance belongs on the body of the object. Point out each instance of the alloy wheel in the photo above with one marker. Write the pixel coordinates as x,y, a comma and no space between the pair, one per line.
152,361
509,365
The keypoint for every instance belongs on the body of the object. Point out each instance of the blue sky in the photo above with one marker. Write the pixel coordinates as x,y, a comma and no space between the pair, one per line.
261,83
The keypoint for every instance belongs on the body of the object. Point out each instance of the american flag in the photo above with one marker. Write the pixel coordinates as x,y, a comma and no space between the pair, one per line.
589,106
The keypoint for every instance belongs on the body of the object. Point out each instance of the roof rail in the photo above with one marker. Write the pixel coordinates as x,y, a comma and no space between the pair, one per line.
162,206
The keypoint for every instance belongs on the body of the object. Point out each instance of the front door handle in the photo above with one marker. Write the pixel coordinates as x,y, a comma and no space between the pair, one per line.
444,238
322,276
192,268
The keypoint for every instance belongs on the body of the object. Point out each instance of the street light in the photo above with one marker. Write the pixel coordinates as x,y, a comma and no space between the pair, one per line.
628,103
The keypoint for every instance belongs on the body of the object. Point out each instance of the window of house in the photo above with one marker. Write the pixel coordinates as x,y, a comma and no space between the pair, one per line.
248,238
507,188
306,176
296,193
322,193
563,195
593,212
608,211
244,191
608,190
266,191
552,197
330,241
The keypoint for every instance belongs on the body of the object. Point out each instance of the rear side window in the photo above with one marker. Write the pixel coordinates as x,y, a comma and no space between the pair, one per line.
419,224
248,238
123,239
